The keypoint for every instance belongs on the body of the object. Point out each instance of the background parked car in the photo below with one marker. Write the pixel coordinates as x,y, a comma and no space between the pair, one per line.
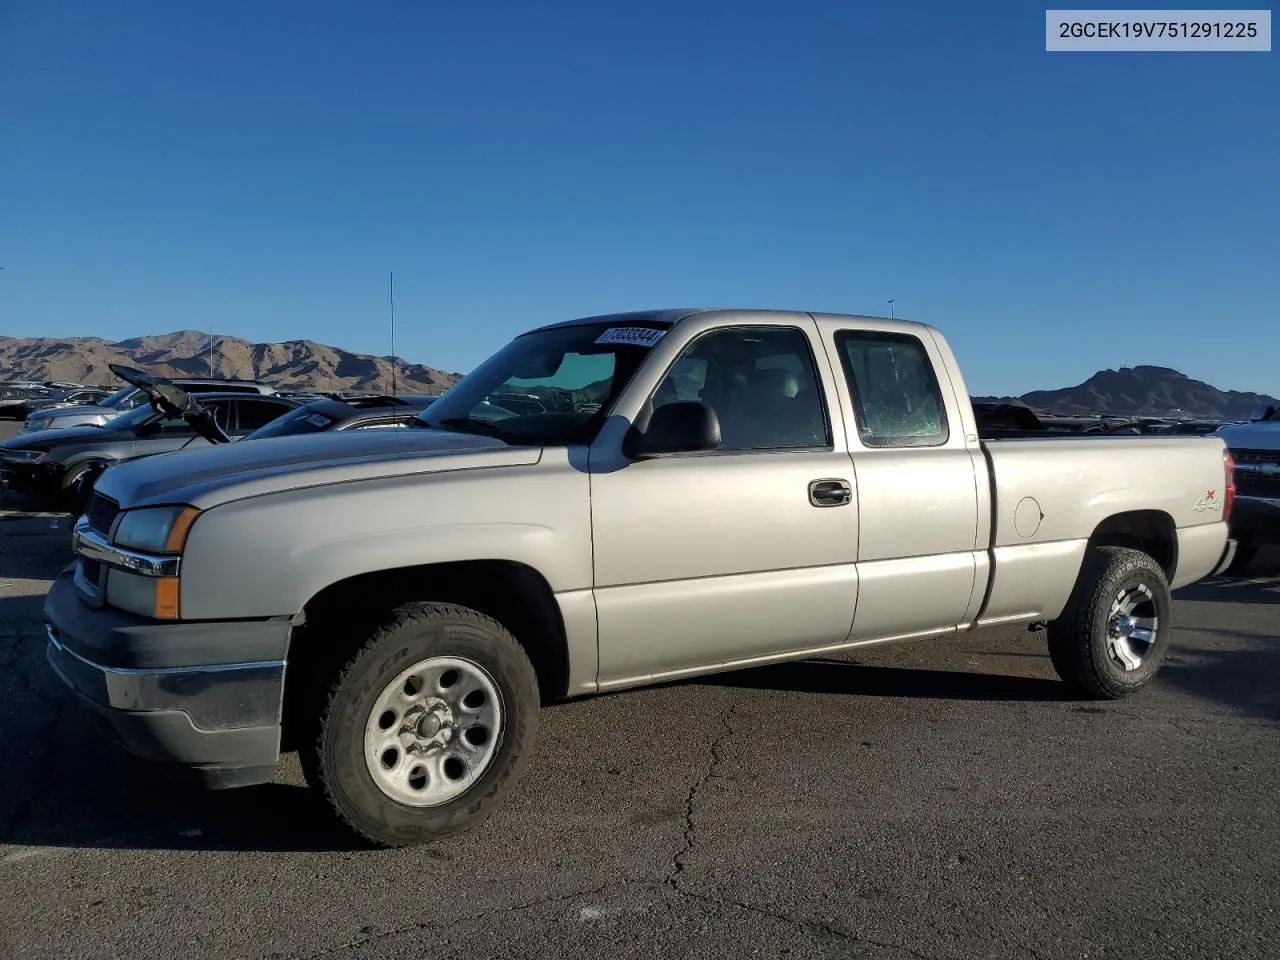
130,396
1255,518
357,413
63,465
12,399
60,399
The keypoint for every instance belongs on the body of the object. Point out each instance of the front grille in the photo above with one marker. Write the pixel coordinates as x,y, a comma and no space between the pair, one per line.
101,513
1257,473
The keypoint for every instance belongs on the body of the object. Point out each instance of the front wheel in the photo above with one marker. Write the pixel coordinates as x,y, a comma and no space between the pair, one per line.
428,726
78,484
1114,632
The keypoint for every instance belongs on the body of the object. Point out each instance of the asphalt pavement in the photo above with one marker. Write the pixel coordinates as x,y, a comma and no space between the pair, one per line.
931,800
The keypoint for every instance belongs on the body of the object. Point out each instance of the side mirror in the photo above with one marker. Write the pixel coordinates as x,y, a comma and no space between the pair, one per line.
688,426
1262,412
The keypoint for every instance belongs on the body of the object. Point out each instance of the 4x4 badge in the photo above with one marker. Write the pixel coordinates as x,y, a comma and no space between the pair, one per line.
1208,501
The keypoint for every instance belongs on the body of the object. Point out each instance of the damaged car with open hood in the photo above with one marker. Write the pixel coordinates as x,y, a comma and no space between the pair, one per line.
62,465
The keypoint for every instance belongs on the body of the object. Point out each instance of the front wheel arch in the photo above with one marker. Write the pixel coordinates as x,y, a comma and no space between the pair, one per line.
79,479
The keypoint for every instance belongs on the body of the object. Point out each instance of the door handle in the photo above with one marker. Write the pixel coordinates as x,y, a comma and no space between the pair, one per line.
830,493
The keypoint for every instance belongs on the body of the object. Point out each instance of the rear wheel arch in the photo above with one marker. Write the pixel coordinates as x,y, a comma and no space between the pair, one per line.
1152,532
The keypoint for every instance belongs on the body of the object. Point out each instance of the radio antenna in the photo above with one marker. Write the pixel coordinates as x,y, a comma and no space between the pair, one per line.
392,278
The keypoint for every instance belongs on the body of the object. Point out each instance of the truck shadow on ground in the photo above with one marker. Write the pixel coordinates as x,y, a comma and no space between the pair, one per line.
829,675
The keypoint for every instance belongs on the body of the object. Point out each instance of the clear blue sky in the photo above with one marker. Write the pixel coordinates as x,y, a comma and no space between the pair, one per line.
261,166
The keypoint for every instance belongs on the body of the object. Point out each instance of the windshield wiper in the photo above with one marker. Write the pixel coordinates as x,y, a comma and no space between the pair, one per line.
476,425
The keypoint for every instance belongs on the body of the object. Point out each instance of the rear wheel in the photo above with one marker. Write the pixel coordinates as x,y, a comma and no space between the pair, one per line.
427,727
1114,632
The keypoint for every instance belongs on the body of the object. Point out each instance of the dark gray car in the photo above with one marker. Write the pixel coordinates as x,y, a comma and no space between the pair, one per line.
130,397
362,413
62,465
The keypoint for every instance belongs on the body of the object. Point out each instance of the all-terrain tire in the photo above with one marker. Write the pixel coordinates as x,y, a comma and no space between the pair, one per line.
334,760
1086,651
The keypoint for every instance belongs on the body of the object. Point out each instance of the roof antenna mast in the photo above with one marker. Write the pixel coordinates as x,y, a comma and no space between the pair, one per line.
392,278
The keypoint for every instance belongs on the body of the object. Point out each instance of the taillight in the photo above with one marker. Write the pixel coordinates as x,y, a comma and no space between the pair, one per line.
1229,462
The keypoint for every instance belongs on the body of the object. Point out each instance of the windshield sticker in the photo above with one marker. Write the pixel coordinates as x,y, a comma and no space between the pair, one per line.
318,420
634,336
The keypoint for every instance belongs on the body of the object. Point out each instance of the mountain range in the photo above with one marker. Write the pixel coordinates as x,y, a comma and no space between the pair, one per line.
294,364
307,365
1142,391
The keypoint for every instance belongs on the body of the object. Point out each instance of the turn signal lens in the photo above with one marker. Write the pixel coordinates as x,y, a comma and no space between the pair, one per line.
166,598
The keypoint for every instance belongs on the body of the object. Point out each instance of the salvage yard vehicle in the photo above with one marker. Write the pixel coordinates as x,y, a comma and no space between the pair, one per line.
63,465
356,413
130,397
60,400
1255,448
14,399
704,490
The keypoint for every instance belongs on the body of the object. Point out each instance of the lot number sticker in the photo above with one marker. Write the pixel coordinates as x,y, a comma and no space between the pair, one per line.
635,336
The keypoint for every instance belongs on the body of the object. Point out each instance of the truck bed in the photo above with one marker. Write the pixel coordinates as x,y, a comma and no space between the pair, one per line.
1046,492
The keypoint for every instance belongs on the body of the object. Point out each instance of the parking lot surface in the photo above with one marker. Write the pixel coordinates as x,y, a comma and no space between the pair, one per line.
934,800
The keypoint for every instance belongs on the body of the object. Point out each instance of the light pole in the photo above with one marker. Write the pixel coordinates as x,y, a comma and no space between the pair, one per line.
891,308
392,279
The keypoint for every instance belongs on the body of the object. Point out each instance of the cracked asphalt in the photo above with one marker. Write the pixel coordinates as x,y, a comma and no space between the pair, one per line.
931,800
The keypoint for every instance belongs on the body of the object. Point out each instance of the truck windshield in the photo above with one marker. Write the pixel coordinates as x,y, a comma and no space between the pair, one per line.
548,387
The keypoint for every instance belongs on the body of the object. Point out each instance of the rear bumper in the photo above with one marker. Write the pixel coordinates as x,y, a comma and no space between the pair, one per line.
222,720
1256,520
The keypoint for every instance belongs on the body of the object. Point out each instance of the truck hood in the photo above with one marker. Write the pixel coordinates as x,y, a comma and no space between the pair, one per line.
1263,435
234,471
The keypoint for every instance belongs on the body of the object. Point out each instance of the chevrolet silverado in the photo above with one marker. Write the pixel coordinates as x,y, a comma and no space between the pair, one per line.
695,491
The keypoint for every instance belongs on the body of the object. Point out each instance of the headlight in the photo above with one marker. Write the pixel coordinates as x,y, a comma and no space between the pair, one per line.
25,456
156,529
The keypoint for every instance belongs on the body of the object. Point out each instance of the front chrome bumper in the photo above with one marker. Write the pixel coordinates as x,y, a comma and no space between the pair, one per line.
207,696
222,697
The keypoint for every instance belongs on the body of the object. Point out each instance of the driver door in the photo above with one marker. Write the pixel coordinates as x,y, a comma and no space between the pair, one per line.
724,556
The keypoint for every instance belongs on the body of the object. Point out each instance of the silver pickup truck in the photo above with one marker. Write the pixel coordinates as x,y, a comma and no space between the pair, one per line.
694,491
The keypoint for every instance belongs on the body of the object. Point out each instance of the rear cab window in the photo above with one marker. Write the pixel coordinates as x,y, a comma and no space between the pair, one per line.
894,388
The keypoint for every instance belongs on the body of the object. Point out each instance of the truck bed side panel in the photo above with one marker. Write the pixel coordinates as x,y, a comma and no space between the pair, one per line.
1051,495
